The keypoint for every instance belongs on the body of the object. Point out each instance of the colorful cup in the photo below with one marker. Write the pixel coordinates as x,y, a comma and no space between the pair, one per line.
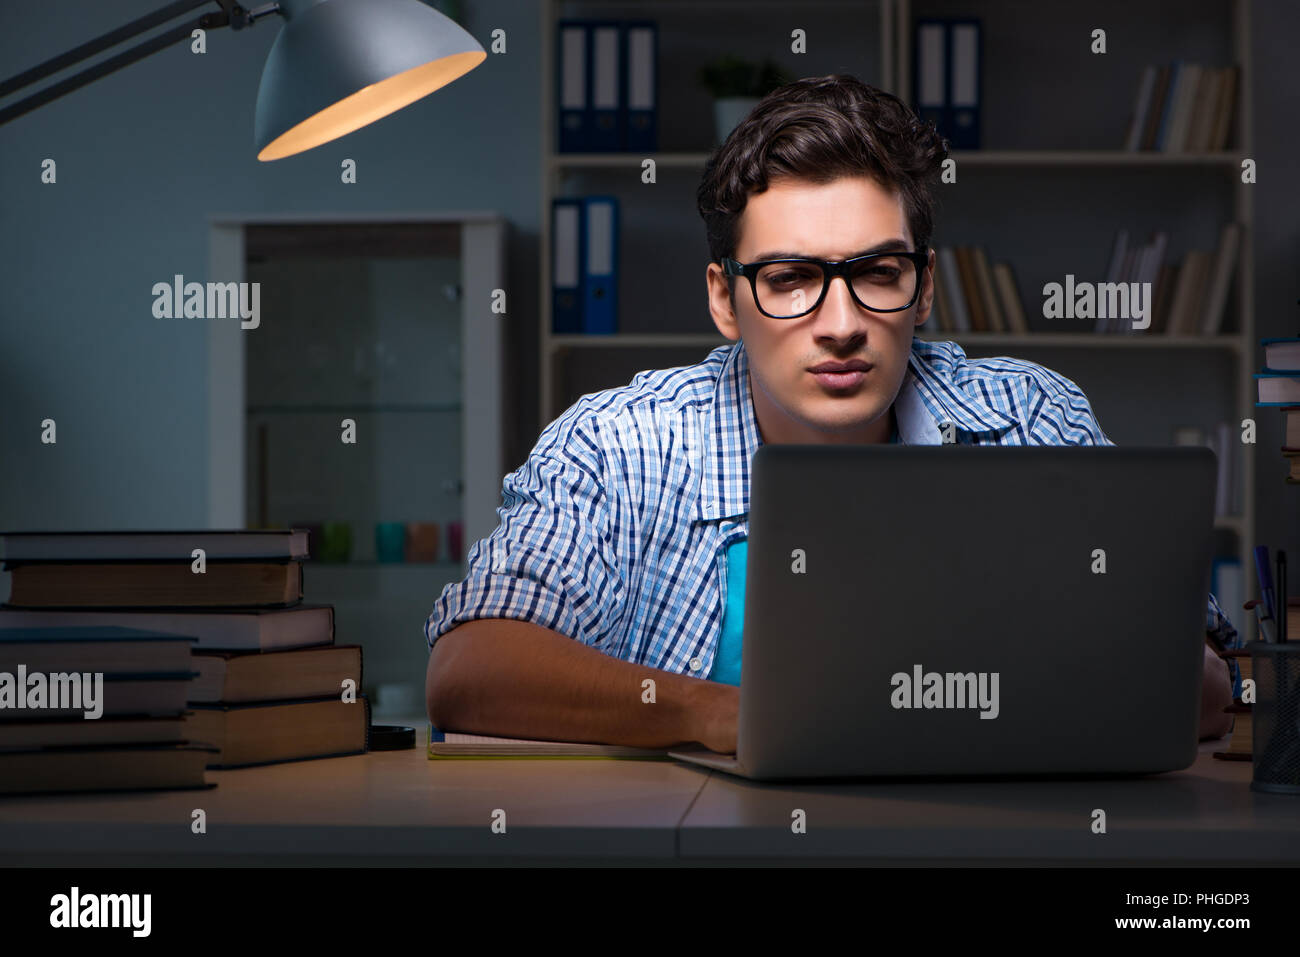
336,542
390,541
421,541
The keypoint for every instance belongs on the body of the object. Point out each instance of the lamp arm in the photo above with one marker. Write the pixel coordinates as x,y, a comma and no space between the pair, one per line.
231,14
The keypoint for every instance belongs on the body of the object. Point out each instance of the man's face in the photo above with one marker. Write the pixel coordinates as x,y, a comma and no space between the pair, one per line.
836,221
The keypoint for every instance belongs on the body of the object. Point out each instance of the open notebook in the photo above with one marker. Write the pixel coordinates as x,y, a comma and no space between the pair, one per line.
452,744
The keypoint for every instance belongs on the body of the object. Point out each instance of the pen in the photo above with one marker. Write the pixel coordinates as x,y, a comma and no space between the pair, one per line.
1265,581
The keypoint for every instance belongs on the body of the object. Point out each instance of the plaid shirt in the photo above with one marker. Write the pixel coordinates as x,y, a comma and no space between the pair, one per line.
613,531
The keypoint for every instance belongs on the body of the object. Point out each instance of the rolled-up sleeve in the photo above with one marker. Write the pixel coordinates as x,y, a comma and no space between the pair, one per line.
551,561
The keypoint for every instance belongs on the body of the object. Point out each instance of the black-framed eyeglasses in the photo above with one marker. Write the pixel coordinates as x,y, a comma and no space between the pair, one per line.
790,288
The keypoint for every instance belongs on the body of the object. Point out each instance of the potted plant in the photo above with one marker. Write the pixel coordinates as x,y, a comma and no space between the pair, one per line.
737,85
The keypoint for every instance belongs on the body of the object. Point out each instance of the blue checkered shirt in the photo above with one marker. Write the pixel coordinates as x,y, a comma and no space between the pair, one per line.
613,531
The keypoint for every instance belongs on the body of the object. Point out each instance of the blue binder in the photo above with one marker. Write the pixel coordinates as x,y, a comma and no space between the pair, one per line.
1167,108
947,78
600,265
605,71
640,85
930,72
568,256
964,91
573,83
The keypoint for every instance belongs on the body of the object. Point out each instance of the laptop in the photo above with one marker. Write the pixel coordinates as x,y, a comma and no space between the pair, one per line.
972,610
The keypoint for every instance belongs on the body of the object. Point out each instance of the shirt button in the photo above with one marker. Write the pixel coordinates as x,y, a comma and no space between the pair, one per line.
696,664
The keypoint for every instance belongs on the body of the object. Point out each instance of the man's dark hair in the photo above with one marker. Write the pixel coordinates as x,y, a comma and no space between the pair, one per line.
820,129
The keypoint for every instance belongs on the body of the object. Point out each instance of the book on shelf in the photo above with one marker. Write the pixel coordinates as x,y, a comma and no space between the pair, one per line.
979,320
1184,102
1166,280
1182,107
1188,294
451,744
940,304
987,291
1009,298
976,295
949,273
1221,269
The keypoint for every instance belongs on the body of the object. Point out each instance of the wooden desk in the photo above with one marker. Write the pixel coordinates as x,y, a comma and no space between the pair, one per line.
399,808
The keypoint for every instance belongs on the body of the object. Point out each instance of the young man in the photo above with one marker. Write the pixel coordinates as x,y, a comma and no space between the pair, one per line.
620,530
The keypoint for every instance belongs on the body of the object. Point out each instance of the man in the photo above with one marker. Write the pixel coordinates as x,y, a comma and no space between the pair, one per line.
619,557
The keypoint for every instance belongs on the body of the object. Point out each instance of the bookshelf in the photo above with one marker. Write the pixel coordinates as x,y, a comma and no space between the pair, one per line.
1053,154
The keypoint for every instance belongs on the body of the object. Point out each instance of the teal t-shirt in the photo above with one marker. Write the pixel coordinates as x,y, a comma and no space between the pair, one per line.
726,662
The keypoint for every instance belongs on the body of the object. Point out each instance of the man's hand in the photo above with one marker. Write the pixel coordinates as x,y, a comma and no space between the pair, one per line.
721,714
1216,694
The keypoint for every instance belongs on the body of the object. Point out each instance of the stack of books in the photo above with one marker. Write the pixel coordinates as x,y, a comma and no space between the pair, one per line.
973,296
1279,387
92,708
1183,108
1186,298
268,682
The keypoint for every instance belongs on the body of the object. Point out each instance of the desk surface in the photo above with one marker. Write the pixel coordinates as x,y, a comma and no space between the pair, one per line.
400,808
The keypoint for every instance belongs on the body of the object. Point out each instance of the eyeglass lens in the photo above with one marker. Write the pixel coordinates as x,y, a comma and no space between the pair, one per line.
787,289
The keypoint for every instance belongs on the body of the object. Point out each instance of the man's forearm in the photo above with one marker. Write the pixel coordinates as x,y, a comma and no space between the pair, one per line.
515,679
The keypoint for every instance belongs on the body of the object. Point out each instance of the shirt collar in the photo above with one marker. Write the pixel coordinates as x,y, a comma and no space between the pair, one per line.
731,437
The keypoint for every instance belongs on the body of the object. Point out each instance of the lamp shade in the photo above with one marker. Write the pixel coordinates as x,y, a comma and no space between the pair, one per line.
337,65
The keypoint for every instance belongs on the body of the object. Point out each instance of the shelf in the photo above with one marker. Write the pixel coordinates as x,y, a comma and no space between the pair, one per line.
356,407
638,340
1088,340
1092,158
1085,340
315,563
1062,158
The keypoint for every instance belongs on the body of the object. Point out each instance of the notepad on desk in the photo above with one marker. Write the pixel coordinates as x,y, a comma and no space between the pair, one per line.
453,744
